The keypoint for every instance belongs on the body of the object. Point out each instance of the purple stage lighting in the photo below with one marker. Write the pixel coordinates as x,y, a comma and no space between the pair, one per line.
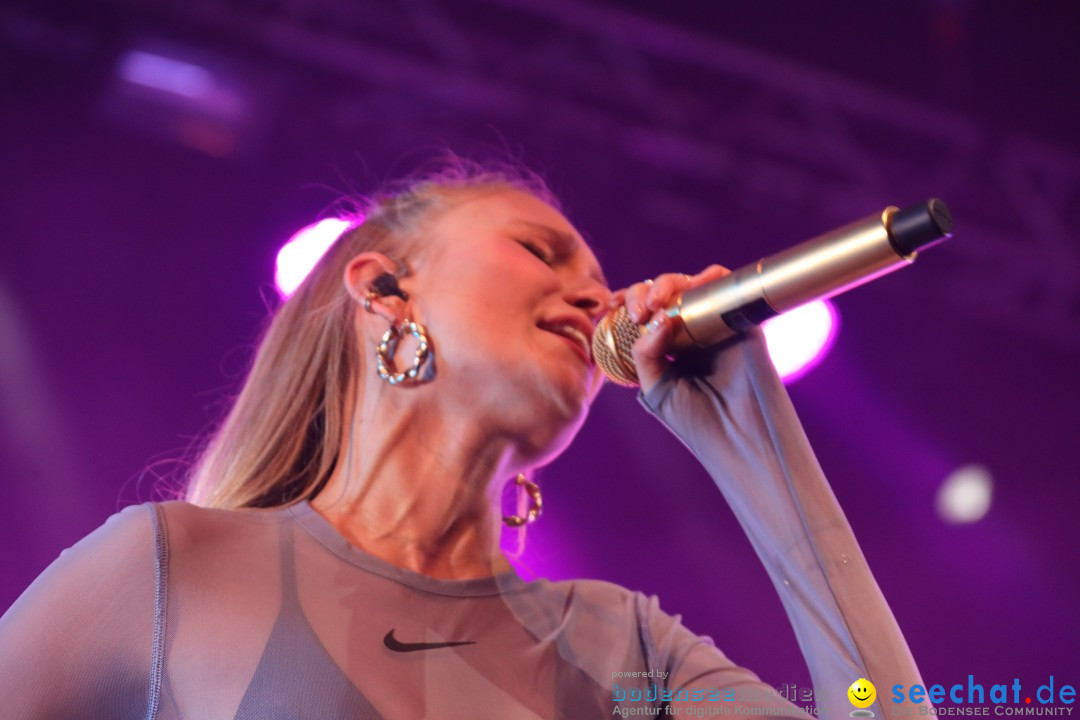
178,78
800,338
303,250
167,75
212,102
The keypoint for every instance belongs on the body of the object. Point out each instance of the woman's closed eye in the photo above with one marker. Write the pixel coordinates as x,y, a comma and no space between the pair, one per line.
538,250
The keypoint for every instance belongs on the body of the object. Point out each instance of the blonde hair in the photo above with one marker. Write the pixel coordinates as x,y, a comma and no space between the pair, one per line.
279,442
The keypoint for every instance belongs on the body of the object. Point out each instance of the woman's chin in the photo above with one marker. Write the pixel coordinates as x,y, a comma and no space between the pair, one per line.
577,388
544,449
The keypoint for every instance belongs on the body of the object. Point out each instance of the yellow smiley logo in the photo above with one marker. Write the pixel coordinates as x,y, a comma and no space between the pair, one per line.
862,693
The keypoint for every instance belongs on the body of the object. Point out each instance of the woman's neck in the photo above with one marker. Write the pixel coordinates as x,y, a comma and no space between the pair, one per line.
419,492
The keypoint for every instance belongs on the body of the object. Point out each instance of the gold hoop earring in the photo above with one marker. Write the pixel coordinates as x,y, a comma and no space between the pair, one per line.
533,491
384,353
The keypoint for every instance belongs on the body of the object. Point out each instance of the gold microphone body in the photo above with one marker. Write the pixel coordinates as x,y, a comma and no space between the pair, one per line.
819,268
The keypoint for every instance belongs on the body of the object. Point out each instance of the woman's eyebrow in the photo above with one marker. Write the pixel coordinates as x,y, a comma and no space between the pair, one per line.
564,240
552,233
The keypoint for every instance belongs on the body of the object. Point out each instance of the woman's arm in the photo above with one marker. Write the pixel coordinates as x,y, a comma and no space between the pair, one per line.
731,410
77,642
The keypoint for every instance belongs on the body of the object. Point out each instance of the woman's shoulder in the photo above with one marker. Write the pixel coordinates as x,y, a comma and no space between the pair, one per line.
607,603
590,600
187,527
596,592
177,521
588,615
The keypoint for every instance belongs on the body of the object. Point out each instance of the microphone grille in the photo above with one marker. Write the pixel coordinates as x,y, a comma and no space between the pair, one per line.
614,336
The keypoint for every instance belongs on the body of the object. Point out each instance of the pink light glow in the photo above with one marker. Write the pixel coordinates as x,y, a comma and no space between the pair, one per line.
799,339
299,255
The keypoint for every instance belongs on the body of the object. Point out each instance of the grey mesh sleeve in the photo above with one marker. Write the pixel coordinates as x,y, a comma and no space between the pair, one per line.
700,678
77,642
731,410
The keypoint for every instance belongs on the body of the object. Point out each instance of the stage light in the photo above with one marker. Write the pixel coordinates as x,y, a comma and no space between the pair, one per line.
166,74
299,255
800,338
965,494
204,99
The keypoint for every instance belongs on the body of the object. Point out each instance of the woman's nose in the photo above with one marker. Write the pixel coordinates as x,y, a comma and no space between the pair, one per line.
590,296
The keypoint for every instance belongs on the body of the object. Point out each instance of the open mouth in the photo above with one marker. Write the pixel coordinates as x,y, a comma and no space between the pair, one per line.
578,339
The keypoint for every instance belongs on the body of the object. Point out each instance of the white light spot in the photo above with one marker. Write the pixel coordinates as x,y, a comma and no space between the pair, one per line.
299,255
965,494
800,338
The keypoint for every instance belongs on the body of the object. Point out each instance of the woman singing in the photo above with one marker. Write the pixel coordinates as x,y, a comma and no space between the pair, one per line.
338,554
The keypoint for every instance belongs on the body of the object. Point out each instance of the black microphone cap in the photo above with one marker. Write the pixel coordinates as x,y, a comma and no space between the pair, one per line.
920,226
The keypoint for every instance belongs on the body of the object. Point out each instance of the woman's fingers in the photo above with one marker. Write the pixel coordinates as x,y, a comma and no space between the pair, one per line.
634,300
646,301
648,296
713,272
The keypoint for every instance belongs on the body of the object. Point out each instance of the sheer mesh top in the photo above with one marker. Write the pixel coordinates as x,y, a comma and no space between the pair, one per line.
175,611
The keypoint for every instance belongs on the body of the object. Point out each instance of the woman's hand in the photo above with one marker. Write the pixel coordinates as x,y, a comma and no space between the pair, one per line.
644,302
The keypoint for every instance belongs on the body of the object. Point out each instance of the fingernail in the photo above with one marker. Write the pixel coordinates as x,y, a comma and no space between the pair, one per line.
650,297
656,322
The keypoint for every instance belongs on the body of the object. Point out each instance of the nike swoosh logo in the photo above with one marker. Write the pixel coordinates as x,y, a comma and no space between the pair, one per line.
397,646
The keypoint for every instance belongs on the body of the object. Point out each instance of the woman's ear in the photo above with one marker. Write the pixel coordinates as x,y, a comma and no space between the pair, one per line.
370,280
